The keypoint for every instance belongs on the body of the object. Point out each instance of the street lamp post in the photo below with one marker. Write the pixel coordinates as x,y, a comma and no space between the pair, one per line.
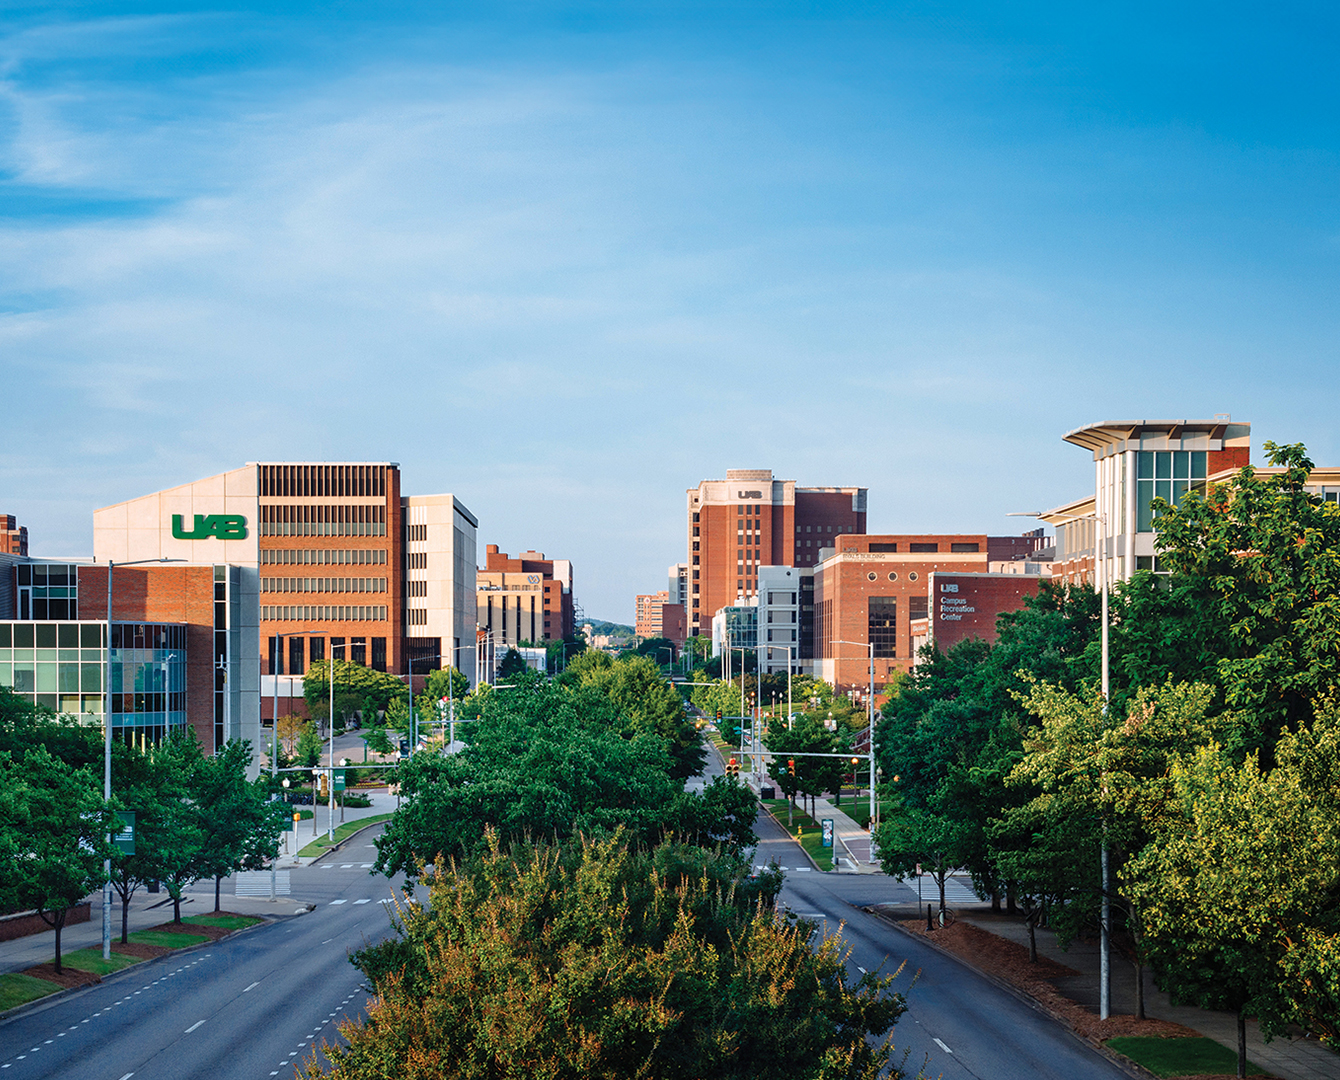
1100,558
790,666
107,750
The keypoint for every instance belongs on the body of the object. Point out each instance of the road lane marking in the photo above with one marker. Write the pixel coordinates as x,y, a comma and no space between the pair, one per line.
365,900
334,902
346,866
194,1026
127,1076
328,941
860,969
251,987
366,866
942,1046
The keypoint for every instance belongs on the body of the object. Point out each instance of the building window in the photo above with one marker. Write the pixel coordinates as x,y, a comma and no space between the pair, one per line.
883,547
923,548
893,575
296,665
918,607
316,649
963,547
882,625
358,651
379,654
1167,475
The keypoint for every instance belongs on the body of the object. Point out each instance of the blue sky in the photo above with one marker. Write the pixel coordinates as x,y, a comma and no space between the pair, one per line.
566,260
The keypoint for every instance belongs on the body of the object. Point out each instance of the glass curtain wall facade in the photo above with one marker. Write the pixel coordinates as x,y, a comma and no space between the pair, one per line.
59,666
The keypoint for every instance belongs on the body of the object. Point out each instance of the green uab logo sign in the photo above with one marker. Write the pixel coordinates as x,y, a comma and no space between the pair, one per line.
219,526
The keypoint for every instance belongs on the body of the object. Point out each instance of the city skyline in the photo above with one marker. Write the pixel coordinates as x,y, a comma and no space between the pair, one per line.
565,262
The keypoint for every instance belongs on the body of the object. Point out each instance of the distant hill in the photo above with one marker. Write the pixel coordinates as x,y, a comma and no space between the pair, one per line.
614,629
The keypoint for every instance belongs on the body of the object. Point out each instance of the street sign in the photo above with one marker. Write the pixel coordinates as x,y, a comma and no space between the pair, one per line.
125,839
827,823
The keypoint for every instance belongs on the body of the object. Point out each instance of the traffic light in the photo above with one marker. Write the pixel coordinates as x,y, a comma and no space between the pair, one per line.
790,766
718,716
733,768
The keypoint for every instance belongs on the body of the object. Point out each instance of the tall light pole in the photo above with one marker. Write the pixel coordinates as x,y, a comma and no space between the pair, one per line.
870,712
789,666
1100,557
107,750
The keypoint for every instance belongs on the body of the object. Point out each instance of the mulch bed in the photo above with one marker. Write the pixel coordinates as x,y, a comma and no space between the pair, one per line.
211,932
1008,961
70,977
67,978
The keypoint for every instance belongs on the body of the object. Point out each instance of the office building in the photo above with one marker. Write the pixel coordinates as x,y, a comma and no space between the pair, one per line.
656,616
13,536
1136,461
785,629
176,657
871,589
526,598
316,561
750,520
678,592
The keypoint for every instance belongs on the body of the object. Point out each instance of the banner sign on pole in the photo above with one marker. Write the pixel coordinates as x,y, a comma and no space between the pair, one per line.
828,832
125,839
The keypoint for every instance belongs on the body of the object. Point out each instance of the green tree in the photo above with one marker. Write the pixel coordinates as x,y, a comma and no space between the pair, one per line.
645,702
355,685
57,838
239,822
590,961
24,725
1239,891
1267,552
307,751
154,792
512,663
813,776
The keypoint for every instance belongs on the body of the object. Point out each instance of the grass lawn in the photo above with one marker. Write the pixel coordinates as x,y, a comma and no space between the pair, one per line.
811,838
168,938
226,922
91,960
15,989
342,833
1180,1057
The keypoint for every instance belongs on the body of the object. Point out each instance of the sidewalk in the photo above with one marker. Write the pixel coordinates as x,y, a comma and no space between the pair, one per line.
1288,1058
850,838
150,909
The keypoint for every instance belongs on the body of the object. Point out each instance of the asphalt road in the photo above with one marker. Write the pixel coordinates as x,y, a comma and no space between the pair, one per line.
252,1006
258,1005
958,1025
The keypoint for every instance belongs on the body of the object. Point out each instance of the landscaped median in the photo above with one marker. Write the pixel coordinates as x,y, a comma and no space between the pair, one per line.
322,843
808,831
85,966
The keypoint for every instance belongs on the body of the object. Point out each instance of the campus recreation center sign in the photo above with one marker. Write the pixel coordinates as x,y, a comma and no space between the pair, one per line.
218,526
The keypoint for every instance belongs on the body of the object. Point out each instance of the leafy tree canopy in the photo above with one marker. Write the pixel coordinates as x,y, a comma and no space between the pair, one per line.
591,960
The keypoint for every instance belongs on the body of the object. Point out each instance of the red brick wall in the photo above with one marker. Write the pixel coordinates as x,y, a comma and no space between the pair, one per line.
842,591
165,594
967,605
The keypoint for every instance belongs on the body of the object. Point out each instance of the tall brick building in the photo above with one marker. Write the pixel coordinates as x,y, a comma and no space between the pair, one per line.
749,520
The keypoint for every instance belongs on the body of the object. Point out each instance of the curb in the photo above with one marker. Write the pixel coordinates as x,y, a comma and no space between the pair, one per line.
798,844
340,844
38,1004
1125,1064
